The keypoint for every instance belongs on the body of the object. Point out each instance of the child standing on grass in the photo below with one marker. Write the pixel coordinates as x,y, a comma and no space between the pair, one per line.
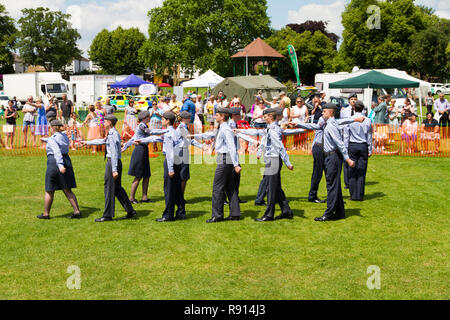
113,172
59,174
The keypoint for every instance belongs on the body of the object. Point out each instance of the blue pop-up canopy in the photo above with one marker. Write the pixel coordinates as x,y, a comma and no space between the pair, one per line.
129,82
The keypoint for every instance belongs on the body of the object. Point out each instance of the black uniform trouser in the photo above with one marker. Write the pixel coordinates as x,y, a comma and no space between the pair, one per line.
262,190
346,174
335,201
224,183
237,177
318,167
113,189
275,193
358,152
173,194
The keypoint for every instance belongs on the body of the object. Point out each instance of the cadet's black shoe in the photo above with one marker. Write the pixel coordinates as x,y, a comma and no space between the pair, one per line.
285,216
146,201
131,215
230,218
317,200
134,201
103,219
212,220
242,201
164,220
41,216
260,204
75,216
226,202
323,218
264,218
180,217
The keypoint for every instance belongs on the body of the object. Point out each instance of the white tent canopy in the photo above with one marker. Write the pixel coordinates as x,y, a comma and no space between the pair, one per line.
209,79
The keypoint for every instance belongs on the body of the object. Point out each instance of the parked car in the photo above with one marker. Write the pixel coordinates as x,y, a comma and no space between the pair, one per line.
435,87
445,89
143,102
4,101
118,101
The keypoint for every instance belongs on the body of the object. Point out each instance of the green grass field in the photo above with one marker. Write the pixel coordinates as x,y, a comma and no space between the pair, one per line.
402,227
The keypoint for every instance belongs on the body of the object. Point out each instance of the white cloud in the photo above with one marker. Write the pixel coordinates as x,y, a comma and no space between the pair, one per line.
326,12
14,7
96,16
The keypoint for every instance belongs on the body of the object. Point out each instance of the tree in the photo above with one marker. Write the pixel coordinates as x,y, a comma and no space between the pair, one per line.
428,54
117,52
47,36
314,26
7,41
384,47
202,34
315,51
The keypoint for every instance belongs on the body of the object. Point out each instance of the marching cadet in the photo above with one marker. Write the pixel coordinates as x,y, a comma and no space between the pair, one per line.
113,172
139,163
334,151
227,161
274,156
172,169
262,189
317,152
358,138
59,174
234,119
183,131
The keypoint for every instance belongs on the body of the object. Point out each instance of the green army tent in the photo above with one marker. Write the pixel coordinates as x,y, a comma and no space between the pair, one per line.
374,80
247,87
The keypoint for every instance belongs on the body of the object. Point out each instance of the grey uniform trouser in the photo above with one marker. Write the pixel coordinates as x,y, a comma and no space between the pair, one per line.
225,183
113,189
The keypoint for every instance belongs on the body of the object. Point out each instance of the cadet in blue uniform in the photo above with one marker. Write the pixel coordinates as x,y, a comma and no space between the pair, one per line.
139,163
358,138
59,174
334,151
172,169
347,113
113,172
274,156
317,152
235,113
227,162
262,189
184,145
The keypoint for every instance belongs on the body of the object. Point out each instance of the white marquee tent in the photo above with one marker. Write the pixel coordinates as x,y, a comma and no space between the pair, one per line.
209,79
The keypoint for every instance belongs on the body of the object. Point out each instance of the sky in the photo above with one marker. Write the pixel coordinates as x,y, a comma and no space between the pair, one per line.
91,16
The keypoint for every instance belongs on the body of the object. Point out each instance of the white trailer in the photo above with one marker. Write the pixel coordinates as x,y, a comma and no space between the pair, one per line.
36,84
86,89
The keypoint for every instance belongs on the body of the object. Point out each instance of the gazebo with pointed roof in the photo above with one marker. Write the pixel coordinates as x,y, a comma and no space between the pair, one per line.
256,52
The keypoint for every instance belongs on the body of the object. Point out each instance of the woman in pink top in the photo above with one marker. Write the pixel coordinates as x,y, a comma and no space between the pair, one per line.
409,132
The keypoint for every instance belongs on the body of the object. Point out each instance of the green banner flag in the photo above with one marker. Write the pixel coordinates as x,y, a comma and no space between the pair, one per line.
293,56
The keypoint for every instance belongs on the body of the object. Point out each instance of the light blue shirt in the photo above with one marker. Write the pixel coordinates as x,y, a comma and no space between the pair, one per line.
57,145
320,126
142,131
113,148
346,112
185,142
272,144
359,132
332,138
170,142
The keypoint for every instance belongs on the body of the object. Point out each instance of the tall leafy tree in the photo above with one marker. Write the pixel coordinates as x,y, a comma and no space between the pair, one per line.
7,41
47,36
116,52
202,33
315,51
386,46
428,54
